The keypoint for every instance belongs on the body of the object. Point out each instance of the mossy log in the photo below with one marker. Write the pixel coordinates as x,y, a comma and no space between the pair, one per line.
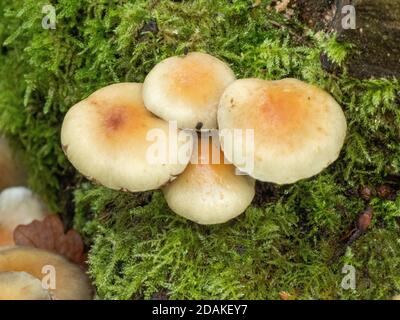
139,248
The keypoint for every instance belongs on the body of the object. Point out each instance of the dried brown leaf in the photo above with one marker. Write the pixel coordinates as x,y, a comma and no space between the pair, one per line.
49,235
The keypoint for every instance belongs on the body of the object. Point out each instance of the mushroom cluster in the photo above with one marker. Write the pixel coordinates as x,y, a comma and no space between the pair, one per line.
24,270
296,130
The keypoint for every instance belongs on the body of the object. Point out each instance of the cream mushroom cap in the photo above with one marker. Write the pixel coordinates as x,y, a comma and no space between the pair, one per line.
71,282
21,286
207,192
106,138
187,89
18,206
299,129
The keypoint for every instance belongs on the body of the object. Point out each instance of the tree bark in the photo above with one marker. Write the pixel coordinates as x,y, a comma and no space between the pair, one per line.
376,36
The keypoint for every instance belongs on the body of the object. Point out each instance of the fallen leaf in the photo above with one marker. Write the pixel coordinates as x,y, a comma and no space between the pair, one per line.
71,246
364,220
284,295
49,235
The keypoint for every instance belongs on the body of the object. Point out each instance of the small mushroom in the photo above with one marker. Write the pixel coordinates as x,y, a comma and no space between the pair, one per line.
209,191
18,206
299,129
187,89
11,172
21,286
64,280
105,137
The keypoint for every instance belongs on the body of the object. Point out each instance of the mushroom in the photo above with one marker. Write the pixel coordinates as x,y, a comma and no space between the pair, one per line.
299,129
11,172
18,206
106,138
209,191
21,286
64,280
187,89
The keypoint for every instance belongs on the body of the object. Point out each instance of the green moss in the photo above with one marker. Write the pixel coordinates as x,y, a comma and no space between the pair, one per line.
140,248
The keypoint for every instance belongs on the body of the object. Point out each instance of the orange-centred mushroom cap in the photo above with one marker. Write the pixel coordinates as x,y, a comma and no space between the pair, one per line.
187,89
299,129
64,280
106,138
209,191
